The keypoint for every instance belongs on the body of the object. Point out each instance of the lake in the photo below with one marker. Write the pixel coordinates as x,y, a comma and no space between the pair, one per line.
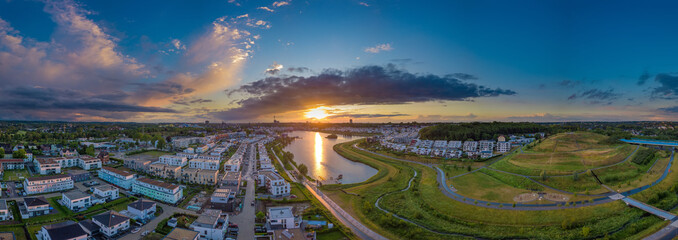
315,151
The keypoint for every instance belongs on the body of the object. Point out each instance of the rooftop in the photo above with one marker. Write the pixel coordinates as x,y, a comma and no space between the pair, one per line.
65,230
110,218
104,188
3,204
158,183
40,178
142,204
208,219
280,212
72,195
181,234
118,171
35,201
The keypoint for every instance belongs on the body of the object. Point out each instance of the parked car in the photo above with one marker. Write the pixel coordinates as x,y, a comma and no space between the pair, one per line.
252,203
136,230
144,233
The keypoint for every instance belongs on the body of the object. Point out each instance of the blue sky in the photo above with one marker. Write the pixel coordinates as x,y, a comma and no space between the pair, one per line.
162,61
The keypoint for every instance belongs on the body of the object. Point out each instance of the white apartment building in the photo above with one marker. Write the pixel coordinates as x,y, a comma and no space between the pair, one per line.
486,145
222,195
76,201
233,165
107,192
283,217
470,146
47,166
46,184
211,225
503,146
204,164
89,163
209,157
440,144
454,144
188,156
173,160
275,184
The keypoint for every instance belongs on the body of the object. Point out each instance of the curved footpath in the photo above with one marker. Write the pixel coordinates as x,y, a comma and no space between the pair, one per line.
376,204
450,191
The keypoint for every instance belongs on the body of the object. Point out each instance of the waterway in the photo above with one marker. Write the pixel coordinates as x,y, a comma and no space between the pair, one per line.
315,151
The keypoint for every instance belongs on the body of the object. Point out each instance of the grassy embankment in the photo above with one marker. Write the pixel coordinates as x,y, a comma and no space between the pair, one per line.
425,204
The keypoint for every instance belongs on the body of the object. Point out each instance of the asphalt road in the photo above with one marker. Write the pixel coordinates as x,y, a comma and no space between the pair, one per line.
245,219
167,212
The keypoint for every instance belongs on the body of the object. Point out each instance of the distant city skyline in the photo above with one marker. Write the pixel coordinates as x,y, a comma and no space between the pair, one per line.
331,61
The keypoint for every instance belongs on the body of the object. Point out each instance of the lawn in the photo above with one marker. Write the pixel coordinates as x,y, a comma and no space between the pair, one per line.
479,185
153,153
331,235
425,204
13,175
18,231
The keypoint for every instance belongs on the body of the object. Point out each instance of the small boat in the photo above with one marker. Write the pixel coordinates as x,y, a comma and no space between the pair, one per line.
332,136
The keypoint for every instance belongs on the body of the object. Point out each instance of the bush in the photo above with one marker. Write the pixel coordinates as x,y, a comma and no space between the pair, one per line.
644,156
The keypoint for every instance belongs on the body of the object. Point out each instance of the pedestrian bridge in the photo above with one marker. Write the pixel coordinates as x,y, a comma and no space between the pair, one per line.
648,208
651,142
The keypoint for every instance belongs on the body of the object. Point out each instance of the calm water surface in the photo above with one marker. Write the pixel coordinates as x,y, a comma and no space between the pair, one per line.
315,151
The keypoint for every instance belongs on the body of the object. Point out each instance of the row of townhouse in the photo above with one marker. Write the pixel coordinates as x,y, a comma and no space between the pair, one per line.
233,164
54,165
199,176
265,163
208,164
274,183
111,224
458,149
161,191
173,160
47,184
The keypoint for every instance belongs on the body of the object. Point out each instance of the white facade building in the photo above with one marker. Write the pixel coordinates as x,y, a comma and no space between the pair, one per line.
173,160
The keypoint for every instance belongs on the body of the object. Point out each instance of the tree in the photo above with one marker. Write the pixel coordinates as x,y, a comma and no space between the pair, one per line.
2,152
260,215
90,150
160,144
20,154
543,175
303,169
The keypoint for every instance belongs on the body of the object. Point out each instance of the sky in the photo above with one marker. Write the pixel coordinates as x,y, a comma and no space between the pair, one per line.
332,60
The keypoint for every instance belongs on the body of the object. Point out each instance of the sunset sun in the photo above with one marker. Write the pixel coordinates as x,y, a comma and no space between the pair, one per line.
317,113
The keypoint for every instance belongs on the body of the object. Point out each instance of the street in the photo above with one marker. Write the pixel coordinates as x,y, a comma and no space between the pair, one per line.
245,219
167,212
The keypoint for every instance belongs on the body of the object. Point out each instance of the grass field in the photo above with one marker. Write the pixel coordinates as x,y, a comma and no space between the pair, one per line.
425,204
14,175
564,154
480,185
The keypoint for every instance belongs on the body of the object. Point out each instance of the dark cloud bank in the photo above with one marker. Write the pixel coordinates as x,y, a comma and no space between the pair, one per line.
358,86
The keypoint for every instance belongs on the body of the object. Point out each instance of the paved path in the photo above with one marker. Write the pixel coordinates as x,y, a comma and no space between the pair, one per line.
648,208
451,192
356,226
